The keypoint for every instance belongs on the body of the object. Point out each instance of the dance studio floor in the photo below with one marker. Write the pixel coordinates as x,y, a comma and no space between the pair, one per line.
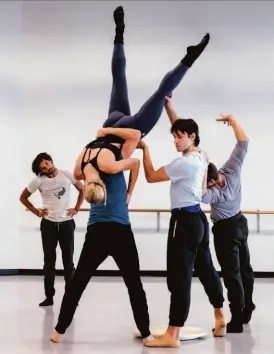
104,324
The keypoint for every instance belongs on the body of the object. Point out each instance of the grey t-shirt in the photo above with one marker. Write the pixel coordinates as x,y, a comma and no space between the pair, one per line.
226,200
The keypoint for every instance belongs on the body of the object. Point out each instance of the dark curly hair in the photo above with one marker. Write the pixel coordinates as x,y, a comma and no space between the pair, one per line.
188,126
212,172
38,159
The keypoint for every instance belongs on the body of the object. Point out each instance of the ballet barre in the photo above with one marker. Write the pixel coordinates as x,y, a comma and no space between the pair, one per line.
158,212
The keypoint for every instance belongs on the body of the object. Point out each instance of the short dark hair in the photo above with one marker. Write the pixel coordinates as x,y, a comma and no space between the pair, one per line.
38,159
212,172
187,126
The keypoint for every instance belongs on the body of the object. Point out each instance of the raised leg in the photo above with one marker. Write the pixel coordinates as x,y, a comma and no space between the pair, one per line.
119,103
149,114
119,93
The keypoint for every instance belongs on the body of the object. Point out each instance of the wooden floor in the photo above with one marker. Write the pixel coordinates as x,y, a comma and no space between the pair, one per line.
103,322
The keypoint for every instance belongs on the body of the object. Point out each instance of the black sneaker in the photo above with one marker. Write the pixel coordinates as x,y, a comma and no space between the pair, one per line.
234,327
47,302
247,313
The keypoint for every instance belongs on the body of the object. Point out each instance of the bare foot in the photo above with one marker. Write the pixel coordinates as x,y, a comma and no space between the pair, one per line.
165,341
220,326
55,337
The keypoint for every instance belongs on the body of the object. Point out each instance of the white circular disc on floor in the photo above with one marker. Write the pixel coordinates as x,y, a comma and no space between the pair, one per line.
186,333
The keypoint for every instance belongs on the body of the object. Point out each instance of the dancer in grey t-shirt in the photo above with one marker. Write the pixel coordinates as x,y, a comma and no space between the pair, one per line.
230,229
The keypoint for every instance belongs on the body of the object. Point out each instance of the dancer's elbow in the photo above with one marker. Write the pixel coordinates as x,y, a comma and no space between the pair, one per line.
150,177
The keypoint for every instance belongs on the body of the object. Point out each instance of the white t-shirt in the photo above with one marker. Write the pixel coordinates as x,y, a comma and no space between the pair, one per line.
55,194
186,174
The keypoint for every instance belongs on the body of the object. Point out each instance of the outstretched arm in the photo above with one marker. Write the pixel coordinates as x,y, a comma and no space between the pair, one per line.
131,137
172,115
236,159
231,120
152,176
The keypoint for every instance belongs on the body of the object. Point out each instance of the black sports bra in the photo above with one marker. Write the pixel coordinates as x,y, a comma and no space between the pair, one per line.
102,143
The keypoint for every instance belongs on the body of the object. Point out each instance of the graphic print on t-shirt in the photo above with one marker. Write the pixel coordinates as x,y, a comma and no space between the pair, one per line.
59,192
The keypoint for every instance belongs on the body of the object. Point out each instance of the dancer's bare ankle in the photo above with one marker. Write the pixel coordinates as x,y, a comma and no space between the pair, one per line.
220,323
55,337
174,332
219,312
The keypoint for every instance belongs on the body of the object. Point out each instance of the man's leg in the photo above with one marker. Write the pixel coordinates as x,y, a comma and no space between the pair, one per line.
119,103
124,252
149,114
66,242
246,272
210,280
94,252
227,245
185,234
49,242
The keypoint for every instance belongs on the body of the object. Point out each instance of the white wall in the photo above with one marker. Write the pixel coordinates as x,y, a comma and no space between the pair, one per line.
55,84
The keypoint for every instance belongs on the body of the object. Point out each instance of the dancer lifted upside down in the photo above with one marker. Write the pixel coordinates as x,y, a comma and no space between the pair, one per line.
122,131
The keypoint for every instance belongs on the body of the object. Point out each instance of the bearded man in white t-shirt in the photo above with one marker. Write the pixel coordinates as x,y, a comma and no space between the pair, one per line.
57,224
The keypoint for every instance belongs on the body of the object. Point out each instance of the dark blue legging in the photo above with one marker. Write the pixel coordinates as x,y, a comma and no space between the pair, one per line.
149,114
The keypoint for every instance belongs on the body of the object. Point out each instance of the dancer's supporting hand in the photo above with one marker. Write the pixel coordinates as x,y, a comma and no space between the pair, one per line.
172,115
168,100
